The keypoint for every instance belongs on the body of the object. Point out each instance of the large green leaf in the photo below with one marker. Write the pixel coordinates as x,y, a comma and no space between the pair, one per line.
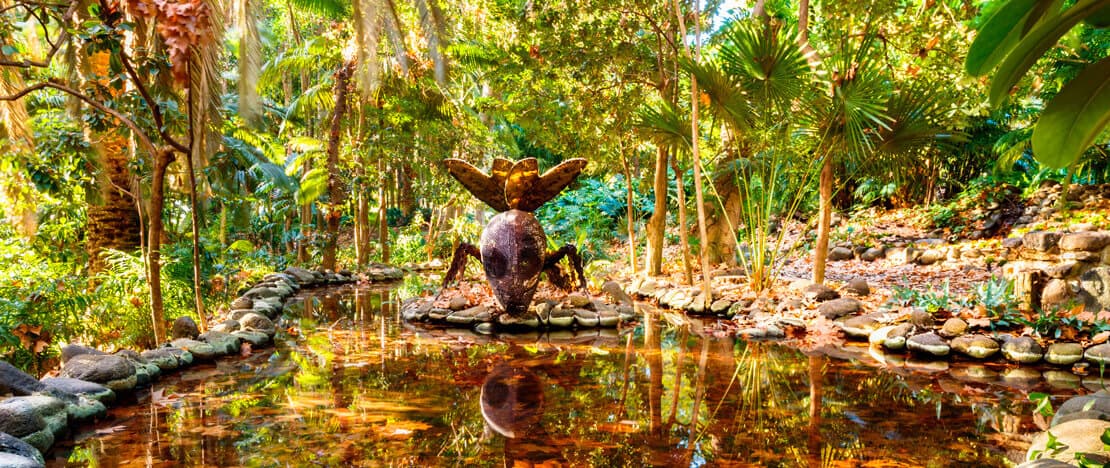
1074,118
998,36
1036,43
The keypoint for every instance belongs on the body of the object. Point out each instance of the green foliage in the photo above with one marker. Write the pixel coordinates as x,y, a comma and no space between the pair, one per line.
931,300
590,216
1018,34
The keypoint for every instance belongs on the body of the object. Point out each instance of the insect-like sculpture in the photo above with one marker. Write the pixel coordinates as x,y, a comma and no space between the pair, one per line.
513,242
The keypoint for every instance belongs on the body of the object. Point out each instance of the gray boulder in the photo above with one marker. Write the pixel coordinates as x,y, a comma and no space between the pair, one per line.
11,460
1023,349
15,447
256,322
1093,406
37,419
16,382
114,372
1084,241
199,350
80,387
1040,241
820,293
837,254
70,351
184,327
223,343
837,308
1094,288
928,344
858,286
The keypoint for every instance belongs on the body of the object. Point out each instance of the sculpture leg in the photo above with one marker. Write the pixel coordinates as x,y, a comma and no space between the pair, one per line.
458,262
556,276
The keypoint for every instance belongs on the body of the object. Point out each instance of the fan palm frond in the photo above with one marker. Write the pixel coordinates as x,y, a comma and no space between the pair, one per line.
334,9
768,62
664,125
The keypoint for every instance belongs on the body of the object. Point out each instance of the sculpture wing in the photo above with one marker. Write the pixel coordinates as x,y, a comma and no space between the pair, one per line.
550,184
500,172
484,187
522,179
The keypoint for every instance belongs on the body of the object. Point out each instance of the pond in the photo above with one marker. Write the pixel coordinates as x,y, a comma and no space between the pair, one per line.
349,384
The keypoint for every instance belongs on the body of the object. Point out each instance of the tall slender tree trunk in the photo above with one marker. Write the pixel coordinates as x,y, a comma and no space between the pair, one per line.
194,216
383,223
657,224
706,281
335,187
824,220
631,214
154,240
683,233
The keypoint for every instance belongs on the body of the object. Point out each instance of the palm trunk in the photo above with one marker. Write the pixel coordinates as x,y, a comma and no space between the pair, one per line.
824,220
706,281
335,189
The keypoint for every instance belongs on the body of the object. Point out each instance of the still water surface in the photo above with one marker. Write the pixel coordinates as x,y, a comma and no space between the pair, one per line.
350,385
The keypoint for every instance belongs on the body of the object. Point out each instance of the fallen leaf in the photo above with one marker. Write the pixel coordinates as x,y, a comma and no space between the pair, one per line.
110,430
245,349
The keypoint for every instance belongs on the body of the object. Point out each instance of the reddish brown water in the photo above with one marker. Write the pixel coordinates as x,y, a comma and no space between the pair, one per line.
351,385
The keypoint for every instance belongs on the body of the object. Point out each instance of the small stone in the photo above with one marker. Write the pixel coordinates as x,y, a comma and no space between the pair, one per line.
859,327
241,302
921,318
1023,349
227,326
258,323
931,256
1062,270
837,254
616,293
1011,242
837,308
820,293
561,318
530,322
872,254
458,303
858,286
1098,354
586,318
953,327
929,344
1064,354
197,349
578,300
720,306
184,327
647,287
608,318
892,337
975,346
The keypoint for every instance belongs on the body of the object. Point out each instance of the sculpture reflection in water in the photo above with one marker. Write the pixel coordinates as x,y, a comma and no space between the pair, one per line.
513,242
512,405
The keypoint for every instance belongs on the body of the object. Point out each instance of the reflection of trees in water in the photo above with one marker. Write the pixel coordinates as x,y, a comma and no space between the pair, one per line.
363,389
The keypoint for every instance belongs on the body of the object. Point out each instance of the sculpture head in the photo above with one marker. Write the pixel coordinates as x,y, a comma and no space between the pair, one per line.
513,242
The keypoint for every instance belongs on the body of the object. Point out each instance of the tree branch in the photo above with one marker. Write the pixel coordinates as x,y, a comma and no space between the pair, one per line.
155,109
144,140
63,37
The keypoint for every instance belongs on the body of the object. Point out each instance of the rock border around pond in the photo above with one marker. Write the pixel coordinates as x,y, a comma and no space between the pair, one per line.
575,310
40,412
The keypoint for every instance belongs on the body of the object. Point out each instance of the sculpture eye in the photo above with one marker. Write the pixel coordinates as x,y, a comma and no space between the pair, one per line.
495,263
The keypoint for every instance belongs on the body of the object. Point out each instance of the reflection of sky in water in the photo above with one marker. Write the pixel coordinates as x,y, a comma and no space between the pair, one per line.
354,387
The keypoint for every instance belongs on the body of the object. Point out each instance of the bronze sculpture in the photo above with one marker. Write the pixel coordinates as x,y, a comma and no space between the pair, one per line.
513,242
